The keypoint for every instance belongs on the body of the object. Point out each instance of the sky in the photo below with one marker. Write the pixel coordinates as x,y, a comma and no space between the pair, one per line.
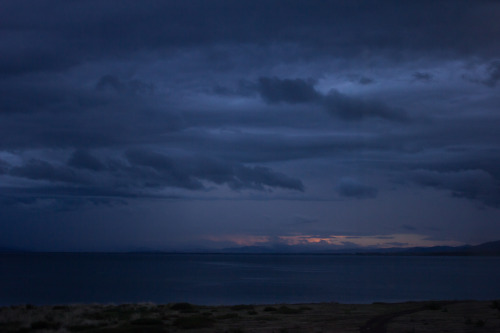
185,125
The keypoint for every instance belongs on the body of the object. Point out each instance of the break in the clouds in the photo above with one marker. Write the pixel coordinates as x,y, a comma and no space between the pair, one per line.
165,124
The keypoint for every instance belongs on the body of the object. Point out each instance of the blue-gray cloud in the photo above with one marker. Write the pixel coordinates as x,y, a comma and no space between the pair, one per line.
113,83
42,170
493,74
350,108
295,91
189,172
140,173
409,227
169,99
352,188
55,35
275,90
422,76
3,167
365,80
82,159
471,184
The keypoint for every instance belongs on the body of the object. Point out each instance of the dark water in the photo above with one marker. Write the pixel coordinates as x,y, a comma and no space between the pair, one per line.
236,279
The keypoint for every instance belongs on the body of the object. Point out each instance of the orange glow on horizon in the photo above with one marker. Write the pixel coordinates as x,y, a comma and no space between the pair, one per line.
241,240
309,239
346,241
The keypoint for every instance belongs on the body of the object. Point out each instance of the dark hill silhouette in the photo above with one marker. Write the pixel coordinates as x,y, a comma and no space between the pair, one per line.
485,249
489,248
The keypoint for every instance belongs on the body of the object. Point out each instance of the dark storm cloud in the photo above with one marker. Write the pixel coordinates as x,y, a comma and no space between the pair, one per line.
257,177
119,101
50,198
269,147
352,188
350,108
493,74
54,35
409,227
365,80
188,172
47,203
244,88
85,192
35,96
141,174
470,184
163,170
30,49
42,170
3,167
421,76
113,112
488,75
294,91
113,83
275,90
82,159
62,188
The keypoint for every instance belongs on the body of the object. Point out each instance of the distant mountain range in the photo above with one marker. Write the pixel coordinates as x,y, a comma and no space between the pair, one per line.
485,249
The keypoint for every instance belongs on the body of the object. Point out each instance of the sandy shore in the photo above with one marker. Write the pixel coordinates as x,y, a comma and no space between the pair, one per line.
432,316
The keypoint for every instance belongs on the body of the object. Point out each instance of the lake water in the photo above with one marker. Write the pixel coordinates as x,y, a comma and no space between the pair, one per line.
238,279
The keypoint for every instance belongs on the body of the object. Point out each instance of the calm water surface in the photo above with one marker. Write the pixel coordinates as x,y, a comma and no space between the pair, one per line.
237,279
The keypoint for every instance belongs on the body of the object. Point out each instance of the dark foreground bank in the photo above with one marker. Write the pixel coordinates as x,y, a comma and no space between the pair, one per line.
432,316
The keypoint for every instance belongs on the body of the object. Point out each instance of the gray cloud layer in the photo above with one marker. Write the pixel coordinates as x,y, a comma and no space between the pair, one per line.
66,34
107,102
471,184
349,187
294,91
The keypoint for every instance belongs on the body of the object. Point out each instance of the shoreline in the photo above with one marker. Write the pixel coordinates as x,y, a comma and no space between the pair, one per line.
411,316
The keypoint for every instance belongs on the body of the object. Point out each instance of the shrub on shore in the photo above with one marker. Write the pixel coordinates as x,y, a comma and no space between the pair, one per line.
146,321
241,307
270,309
194,322
183,307
287,310
45,325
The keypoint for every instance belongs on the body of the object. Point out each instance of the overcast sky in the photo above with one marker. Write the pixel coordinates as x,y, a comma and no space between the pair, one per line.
211,124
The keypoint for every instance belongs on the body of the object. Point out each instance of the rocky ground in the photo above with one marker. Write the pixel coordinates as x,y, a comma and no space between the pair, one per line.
435,316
